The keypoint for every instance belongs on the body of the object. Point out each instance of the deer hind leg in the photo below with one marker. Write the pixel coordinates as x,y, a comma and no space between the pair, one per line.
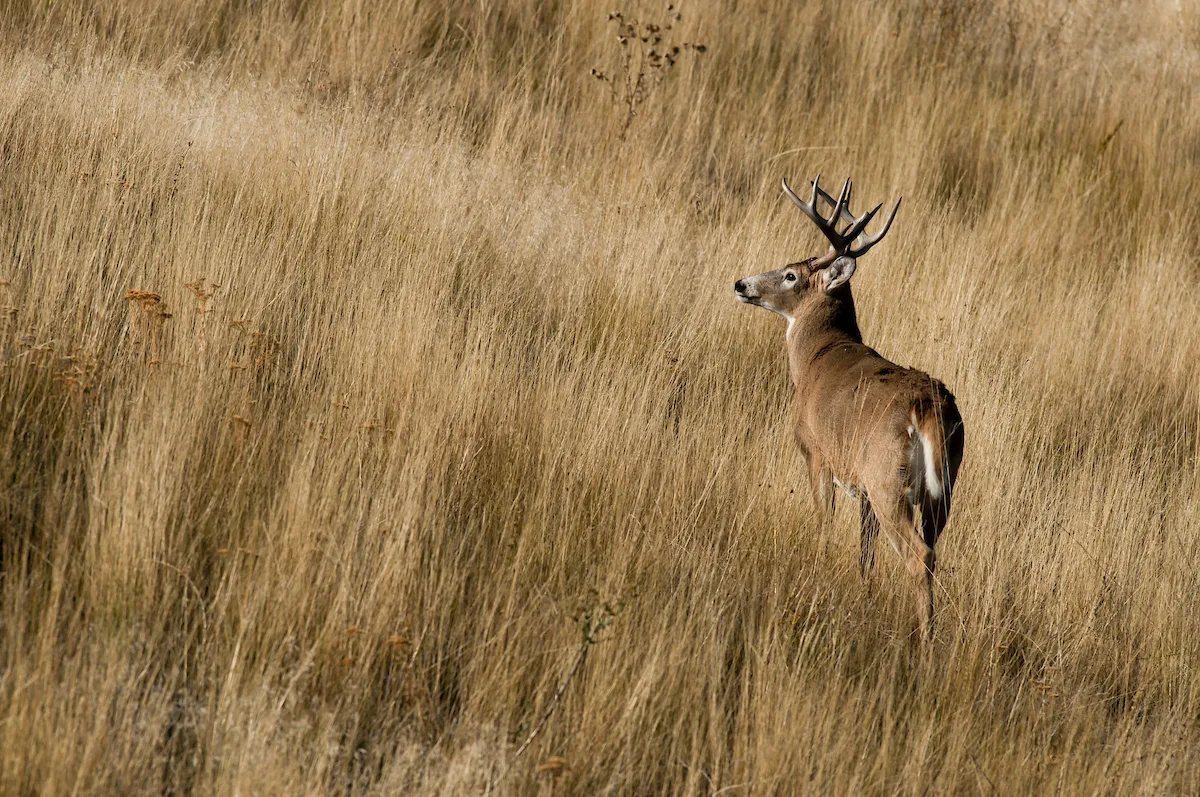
934,515
898,522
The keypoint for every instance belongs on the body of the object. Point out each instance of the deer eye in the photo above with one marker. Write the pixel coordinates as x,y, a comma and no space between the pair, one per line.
790,278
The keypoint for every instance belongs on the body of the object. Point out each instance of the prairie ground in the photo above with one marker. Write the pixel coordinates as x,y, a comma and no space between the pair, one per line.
376,416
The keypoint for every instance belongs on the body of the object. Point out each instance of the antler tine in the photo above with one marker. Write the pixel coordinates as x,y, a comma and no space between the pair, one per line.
860,224
847,215
843,203
871,240
810,210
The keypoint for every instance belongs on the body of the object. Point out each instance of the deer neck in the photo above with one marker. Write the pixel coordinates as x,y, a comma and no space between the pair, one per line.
812,334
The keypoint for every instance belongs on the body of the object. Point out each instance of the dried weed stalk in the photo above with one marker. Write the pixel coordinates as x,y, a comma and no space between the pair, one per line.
147,316
203,290
649,51
592,621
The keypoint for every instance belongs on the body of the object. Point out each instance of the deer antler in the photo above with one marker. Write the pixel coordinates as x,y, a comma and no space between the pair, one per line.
847,215
841,243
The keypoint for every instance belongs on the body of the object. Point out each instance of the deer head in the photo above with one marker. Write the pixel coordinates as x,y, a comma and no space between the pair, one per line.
787,289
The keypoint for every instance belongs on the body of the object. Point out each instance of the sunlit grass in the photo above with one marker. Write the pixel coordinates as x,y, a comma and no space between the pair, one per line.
351,365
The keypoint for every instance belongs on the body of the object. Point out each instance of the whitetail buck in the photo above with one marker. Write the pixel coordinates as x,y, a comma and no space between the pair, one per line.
889,436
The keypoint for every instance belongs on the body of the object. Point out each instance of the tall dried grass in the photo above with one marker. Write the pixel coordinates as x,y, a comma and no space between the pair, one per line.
351,367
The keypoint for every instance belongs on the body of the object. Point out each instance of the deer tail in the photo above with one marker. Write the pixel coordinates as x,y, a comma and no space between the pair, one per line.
930,424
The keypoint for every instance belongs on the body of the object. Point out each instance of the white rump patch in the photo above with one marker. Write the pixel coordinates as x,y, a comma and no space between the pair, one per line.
932,483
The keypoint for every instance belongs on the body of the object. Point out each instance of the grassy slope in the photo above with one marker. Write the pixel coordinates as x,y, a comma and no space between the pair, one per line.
459,367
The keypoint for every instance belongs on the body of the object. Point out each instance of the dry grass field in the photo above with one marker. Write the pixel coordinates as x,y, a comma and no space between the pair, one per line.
373,395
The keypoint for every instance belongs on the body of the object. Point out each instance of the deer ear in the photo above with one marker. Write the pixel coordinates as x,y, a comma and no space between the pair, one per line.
837,273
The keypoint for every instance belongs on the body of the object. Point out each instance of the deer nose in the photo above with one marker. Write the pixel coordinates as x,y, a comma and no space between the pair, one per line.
739,286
